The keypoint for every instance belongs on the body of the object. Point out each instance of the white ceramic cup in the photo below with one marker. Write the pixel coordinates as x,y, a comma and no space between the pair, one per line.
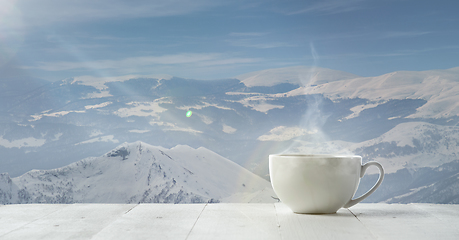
318,183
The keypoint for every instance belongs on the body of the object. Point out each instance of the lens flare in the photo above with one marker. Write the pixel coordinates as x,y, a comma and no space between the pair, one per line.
189,113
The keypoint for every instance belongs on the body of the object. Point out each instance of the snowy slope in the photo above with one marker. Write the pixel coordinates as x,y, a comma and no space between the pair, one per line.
440,88
412,145
138,172
408,145
100,82
300,75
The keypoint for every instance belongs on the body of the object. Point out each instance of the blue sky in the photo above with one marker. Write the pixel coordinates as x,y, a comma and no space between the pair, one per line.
213,39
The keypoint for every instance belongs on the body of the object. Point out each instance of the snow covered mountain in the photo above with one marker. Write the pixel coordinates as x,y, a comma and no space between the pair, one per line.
409,121
412,144
140,173
300,75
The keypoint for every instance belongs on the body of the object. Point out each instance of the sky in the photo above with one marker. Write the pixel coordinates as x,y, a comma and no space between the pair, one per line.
216,39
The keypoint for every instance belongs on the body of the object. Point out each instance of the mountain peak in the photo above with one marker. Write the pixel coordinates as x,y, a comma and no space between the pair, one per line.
141,173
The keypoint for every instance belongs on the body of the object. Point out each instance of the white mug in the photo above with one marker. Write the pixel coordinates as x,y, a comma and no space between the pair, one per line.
318,183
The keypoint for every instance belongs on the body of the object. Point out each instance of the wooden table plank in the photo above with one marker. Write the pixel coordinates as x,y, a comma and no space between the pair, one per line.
446,211
74,221
448,214
341,225
226,221
154,221
236,221
13,217
400,221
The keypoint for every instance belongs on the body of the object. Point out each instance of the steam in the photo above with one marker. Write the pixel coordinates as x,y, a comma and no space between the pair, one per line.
314,140
310,79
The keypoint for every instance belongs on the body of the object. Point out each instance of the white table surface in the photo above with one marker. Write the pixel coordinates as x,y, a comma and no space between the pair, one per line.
226,221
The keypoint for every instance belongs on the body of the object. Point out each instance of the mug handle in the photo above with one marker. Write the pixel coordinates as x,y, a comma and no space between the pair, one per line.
352,202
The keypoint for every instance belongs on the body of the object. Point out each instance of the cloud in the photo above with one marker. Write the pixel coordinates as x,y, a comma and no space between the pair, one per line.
51,11
248,34
11,31
134,64
368,35
406,52
254,40
401,34
255,44
330,7
394,53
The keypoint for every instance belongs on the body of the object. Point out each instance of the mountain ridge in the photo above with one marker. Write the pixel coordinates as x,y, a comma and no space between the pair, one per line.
406,120
138,173
298,75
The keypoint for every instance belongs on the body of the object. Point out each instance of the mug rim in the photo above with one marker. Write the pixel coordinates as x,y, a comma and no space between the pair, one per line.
314,155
